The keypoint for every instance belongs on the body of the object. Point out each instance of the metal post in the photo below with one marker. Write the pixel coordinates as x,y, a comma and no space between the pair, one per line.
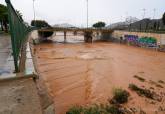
64,36
34,11
87,13
34,14
154,13
144,13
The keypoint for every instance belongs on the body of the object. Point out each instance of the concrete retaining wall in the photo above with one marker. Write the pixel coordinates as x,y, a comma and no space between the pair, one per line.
46,100
160,37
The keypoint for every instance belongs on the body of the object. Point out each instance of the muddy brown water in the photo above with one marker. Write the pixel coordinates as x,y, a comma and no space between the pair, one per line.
83,74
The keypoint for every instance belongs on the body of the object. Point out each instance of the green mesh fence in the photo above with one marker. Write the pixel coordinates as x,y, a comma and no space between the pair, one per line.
19,31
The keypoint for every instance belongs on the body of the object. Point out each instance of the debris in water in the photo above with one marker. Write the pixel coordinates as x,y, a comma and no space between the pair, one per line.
161,81
156,84
145,92
161,109
139,78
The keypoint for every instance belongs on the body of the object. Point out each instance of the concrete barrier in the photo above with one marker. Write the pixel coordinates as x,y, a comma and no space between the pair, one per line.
159,37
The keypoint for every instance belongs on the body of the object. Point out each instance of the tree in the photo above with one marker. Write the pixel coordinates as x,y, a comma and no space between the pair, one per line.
99,24
19,14
163,18
3,18
39,23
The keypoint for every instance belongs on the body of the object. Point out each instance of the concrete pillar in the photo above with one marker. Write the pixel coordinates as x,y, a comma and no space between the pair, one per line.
105,36
88,37
64,36
75,33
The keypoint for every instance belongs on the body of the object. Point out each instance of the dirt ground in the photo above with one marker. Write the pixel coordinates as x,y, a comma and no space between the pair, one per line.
81,74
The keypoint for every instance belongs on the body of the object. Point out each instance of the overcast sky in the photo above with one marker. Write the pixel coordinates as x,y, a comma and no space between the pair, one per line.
74,11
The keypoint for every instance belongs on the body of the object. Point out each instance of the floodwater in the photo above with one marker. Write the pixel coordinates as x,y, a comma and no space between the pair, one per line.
82,74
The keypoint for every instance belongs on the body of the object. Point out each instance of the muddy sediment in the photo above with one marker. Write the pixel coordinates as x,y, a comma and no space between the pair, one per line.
83,74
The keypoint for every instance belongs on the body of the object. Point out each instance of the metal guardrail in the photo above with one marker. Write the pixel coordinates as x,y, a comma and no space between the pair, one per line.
19,31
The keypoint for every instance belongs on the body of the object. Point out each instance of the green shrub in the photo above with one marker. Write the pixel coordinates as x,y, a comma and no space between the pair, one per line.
75,110
120,96
114,109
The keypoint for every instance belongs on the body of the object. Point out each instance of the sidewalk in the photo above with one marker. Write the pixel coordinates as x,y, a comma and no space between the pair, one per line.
19,93
6,60
19,97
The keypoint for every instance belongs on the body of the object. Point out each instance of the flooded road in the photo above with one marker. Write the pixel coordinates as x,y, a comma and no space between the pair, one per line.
82,74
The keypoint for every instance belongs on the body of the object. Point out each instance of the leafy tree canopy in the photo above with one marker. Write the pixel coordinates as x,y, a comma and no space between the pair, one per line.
39,23
99,24
19,14
3,12
3,18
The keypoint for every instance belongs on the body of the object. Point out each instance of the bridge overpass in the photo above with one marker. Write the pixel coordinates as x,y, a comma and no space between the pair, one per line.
77,29
87,32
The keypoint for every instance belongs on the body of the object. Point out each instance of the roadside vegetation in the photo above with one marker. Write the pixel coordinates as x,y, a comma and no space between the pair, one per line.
3,18
120,96
117,103
4,22
114,105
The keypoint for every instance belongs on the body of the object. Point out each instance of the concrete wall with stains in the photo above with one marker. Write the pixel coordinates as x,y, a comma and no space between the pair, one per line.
160,37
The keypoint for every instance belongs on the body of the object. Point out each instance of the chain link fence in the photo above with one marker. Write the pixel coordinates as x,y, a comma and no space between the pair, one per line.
19,31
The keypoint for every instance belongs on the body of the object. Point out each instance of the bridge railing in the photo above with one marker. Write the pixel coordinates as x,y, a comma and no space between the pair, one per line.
19,31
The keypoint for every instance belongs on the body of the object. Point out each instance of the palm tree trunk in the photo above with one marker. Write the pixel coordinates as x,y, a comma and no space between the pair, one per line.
5,25
1,25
